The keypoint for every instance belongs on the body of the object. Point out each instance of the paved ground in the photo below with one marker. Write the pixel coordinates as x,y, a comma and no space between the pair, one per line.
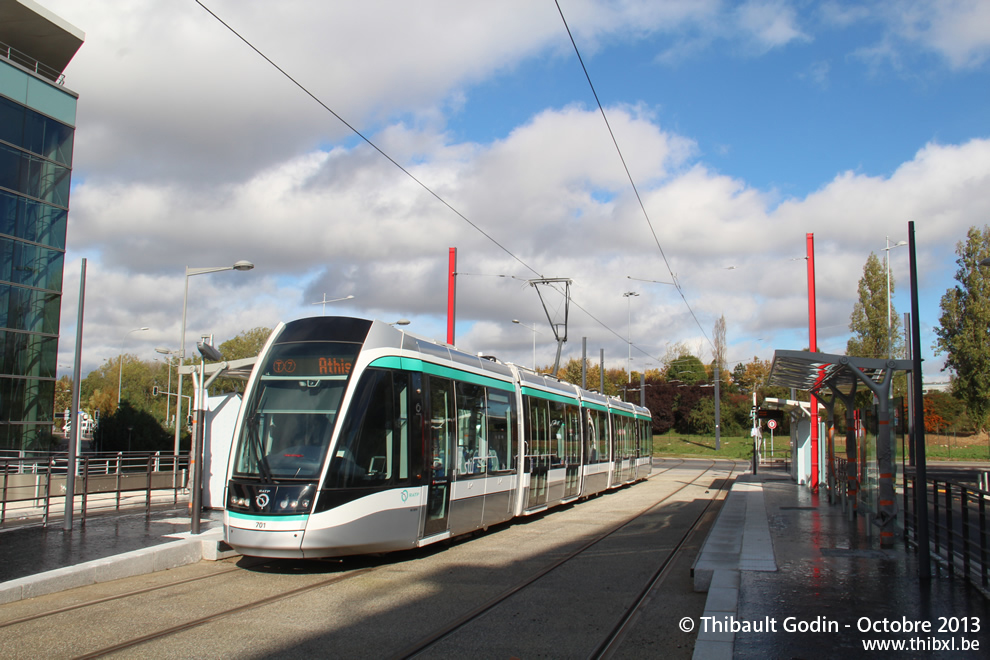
791,560
833,586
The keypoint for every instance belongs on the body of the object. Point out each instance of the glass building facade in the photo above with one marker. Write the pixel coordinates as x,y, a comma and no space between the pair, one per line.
37,125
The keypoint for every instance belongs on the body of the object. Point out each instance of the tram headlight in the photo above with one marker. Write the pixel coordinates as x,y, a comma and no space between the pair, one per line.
304,504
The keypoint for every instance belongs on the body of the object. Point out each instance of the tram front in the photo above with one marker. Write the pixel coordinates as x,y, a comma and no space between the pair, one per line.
283,432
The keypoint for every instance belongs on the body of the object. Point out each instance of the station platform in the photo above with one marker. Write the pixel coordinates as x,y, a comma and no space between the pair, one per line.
37,560
789,575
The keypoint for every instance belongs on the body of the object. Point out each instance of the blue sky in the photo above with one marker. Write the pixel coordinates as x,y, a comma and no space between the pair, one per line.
745,125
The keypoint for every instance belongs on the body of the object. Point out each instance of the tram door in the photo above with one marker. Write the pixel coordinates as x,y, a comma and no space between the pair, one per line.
441,453
538,458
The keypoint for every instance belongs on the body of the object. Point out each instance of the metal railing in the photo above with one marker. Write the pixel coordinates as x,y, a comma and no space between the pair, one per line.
31,64
34,489
957,526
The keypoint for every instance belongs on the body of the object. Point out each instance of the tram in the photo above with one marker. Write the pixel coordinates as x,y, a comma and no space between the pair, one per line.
355,437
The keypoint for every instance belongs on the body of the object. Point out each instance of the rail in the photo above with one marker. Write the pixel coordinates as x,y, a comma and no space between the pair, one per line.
34,489
957,526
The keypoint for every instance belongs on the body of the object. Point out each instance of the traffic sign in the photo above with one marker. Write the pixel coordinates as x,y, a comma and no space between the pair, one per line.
771,424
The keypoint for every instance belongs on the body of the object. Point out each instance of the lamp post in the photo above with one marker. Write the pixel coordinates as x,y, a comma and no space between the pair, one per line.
886,259
120,375
240,265
628,295
534,331
168,398
325,301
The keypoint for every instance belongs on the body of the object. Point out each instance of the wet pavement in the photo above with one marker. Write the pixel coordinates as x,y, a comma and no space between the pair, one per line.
836,592
30,550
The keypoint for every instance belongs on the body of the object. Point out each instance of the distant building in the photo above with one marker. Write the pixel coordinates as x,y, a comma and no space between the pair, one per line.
37,125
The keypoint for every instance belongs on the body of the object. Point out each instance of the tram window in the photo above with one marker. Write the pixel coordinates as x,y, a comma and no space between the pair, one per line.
572,437
287,434
558,432
539,442
590,438
441,426
375,435
472,449
501,452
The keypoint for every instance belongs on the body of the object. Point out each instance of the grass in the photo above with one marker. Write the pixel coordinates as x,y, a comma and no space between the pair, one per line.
943,448
704,446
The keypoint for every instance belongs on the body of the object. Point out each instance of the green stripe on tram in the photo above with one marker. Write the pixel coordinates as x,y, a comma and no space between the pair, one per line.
275,518
415,364
540,394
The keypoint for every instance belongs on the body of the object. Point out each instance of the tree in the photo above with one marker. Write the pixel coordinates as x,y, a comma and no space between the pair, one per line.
870,315
688,369
962,332
247,344
718,342
63,395
752,375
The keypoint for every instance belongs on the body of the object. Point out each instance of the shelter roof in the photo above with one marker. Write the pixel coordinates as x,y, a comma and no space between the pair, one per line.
815,371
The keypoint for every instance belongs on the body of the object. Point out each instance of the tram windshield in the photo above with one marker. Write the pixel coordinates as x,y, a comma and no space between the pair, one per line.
292,411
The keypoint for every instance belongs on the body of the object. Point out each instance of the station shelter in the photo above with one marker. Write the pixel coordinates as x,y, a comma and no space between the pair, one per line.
799,413
865,475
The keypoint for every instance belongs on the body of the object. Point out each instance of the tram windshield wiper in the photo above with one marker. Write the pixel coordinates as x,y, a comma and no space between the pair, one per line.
264,470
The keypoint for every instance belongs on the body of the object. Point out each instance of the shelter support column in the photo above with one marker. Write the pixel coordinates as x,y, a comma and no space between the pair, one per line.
830,476
852,453
887,502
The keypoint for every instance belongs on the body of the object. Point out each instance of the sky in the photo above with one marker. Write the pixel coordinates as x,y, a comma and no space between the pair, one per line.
744,126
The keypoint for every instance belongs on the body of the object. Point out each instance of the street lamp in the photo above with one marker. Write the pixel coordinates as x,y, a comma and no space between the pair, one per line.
628,295
325,301
168,356
120,375
886,259
240,265
533,328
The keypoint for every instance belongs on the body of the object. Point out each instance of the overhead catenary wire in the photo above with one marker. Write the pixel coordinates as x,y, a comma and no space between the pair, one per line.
367,140
409,174
632,182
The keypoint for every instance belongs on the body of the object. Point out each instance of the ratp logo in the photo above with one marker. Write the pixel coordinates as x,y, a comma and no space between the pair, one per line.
262,500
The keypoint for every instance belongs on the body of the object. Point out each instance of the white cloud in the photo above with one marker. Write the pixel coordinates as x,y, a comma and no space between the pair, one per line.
770,23
190,151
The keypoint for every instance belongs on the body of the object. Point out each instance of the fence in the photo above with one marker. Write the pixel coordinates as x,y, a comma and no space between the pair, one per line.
957,526
35,488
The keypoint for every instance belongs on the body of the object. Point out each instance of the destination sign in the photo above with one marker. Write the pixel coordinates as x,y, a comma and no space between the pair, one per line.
311,366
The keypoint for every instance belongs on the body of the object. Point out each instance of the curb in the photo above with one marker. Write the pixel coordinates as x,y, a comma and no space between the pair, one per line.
209,546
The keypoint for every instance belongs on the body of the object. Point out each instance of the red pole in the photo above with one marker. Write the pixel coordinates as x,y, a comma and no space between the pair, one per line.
451,294
813,347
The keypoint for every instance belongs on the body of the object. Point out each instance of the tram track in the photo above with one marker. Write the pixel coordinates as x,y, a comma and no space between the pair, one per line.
365,568
615,635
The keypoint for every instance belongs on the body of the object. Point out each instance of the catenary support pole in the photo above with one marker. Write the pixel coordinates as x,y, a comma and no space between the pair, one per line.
70,473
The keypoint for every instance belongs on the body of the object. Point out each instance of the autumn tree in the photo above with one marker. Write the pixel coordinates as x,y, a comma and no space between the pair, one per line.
870,315
962,332
247,344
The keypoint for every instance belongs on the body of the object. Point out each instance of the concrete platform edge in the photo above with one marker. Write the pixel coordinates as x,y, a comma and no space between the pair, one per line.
739,540
209,546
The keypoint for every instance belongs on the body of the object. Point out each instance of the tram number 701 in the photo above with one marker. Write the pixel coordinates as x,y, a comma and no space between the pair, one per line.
259,525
